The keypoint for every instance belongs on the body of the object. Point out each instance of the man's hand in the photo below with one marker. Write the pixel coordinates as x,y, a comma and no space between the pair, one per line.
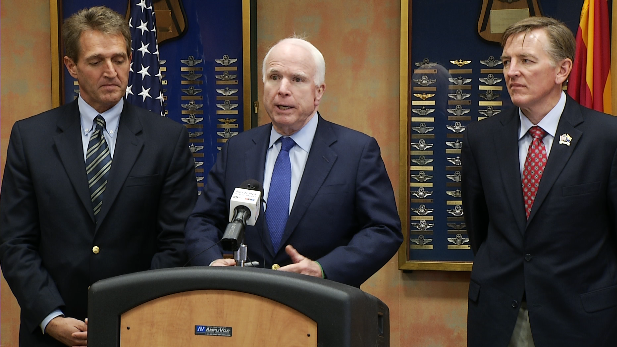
69,331
301,264
223,262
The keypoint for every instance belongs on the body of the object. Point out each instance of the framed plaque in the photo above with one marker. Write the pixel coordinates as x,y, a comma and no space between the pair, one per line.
451,75
206,53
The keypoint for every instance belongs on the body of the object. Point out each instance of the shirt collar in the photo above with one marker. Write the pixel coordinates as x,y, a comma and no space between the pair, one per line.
303,138
111,116
548,123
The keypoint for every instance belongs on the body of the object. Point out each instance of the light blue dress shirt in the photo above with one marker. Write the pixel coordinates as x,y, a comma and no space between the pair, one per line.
297,155
548,123
112,121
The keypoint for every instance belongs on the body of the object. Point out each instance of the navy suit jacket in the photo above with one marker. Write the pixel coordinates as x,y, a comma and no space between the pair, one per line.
344,215
564,257
48,229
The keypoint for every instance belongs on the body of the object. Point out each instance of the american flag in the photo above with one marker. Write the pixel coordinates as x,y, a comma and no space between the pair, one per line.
145,88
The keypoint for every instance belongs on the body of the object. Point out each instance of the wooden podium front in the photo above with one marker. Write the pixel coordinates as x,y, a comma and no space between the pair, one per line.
212,306
264,322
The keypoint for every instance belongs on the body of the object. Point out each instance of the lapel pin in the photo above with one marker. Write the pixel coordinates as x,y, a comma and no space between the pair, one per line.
565,139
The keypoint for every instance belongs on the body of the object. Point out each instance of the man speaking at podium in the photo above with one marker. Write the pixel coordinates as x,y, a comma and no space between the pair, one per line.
329,206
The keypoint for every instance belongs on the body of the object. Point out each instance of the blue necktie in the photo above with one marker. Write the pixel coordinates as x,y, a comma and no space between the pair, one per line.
277,208
98,164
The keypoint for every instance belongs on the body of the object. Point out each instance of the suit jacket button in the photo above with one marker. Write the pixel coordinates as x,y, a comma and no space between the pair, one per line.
528,257
514,304
95,249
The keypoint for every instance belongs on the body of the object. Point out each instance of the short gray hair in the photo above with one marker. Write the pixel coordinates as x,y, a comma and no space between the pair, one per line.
320,63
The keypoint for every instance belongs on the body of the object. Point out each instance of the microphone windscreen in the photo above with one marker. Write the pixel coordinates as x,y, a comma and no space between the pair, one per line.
252,184
249,195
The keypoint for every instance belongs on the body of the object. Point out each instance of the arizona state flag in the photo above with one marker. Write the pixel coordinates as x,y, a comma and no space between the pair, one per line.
590,80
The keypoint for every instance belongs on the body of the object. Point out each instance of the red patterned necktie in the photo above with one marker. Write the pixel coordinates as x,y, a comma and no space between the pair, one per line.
534,167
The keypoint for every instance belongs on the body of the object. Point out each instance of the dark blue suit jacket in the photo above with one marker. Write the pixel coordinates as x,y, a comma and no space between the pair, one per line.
344,215
48,229
564,257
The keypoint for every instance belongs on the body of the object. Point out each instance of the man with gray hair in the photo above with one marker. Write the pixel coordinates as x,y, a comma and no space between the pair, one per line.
540,198
92,189
330,208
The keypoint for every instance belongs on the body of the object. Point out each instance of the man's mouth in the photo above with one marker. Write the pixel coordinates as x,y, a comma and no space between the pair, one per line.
283,107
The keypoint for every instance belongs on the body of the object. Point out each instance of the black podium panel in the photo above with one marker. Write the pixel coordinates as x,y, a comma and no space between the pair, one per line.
345,316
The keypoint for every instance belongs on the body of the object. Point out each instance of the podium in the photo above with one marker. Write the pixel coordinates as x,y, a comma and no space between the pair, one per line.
232,306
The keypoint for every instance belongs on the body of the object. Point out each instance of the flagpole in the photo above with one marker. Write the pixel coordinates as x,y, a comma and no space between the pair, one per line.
614,59
56,66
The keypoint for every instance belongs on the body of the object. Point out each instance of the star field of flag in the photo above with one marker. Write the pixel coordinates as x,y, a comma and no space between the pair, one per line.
145,87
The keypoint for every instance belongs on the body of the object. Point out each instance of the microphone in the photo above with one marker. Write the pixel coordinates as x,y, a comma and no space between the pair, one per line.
243,210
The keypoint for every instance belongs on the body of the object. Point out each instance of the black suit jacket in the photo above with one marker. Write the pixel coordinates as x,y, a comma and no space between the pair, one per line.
344,215
564,257
48,229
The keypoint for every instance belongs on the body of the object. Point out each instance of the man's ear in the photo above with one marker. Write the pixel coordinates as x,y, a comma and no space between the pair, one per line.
71,66
319,93
564,69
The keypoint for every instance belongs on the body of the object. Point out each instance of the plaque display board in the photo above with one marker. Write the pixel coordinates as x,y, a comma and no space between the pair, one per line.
451,75
205,60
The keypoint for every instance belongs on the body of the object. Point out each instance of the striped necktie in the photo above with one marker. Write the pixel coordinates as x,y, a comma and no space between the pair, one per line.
98,163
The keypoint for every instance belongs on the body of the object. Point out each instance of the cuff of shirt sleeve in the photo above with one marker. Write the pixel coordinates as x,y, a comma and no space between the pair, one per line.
323,274
48,319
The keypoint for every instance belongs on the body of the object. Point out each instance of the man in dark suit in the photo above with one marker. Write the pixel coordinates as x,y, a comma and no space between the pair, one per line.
92,189
540,200
339,215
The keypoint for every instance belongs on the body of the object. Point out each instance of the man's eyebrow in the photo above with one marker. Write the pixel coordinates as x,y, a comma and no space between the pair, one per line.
101,56
299,74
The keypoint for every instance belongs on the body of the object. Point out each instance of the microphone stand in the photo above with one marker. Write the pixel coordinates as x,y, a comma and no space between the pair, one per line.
240,255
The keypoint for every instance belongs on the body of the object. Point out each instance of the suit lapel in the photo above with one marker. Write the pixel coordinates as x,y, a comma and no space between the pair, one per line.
318,166
506,141
560,153
69,144
255,162
128,147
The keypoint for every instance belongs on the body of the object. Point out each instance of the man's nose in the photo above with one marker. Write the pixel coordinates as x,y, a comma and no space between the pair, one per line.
512,69
110,69
284,87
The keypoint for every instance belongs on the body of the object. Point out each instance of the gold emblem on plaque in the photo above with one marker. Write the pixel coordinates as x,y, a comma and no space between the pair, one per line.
424,96
460,62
